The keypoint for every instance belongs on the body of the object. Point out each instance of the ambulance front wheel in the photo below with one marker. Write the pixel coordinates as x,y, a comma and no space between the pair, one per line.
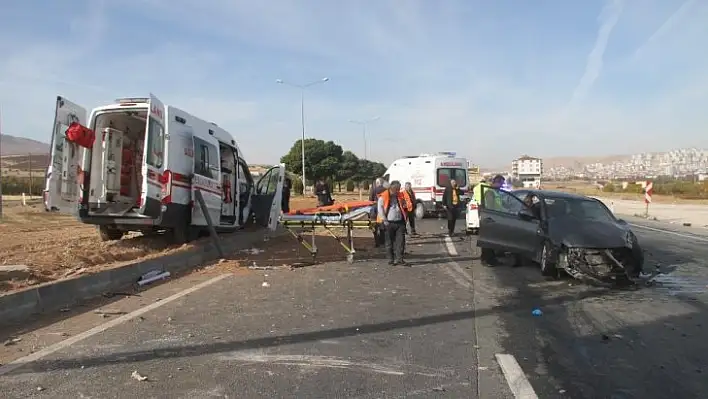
109,233
183,234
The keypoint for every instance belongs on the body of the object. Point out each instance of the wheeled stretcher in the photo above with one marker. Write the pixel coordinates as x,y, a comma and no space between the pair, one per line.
344,217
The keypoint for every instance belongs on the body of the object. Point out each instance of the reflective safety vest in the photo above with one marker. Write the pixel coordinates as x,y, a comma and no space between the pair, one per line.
404,203
477,195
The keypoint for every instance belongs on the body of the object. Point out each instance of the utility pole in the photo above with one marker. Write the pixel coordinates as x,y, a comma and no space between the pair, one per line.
302,88
30,175
364,124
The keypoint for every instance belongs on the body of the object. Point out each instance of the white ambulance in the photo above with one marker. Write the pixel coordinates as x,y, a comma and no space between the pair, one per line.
429,174
141,171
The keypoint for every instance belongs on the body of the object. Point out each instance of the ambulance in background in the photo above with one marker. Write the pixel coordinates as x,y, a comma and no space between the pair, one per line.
429,174
136,164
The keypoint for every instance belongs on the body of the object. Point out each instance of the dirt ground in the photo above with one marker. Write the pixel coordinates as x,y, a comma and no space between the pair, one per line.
56,246
586,188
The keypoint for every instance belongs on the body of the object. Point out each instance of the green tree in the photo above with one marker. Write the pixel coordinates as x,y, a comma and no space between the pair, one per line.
364,171
322,159
378,170
347,169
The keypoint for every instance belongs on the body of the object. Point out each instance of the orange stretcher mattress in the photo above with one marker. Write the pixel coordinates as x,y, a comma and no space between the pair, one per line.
344,207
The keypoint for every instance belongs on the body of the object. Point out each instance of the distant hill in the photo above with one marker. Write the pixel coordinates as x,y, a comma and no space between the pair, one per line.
12,145
579,162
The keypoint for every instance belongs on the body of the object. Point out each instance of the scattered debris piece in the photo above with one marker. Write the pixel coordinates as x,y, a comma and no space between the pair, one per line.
10,272
439,389
254,267
482,368
618,336
265,284
40,389
537,312
605,337
136,376
169,319
151,276
562,391
64,310
252,251
687,224
12,341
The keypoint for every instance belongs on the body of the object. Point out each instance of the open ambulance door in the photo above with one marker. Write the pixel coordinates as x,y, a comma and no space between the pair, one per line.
156,183
267,199
62,185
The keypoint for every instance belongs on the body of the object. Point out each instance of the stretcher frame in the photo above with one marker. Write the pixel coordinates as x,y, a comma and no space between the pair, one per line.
297,228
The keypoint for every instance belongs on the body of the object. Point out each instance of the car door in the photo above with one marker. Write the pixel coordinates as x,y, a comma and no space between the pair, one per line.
63,178
268,189
503,227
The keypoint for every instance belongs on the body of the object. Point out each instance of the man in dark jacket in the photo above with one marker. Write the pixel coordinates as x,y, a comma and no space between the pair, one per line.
408,187
452,202
324,197
285,203
376,189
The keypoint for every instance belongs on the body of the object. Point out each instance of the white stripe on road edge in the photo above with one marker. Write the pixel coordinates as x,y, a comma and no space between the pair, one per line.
515,377
694,237
103,327
450,246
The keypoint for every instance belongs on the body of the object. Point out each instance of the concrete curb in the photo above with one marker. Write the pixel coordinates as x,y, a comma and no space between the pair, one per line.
19,306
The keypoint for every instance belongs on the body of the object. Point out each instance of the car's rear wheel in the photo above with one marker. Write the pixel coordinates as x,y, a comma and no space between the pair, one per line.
549,261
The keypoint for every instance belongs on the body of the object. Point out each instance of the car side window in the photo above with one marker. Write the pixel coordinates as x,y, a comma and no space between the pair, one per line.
503,202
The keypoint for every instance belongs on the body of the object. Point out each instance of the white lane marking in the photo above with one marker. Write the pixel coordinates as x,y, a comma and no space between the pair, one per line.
515,377
457,278
103,327
693,237
450,246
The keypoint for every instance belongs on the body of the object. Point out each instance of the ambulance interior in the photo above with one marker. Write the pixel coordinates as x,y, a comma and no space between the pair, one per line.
229,212
116,163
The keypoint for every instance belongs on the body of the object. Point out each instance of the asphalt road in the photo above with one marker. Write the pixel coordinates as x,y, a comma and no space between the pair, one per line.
367,330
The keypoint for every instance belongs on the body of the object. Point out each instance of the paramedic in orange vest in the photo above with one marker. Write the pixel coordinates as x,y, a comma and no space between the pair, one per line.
410,198
393,209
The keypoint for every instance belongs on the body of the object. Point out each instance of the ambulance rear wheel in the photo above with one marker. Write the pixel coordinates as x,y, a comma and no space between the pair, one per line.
109,233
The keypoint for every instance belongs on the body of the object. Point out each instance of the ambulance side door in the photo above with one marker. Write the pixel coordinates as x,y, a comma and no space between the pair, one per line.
206,178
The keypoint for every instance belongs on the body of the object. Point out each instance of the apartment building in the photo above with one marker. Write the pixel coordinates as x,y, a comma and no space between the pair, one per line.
528,170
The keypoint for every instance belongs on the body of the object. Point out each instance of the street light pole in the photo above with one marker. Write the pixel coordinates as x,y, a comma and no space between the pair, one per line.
302,118
364,124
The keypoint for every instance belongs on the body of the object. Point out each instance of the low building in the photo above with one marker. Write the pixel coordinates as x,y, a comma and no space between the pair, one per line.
527,170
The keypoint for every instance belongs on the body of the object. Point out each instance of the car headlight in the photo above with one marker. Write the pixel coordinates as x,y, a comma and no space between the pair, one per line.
629,239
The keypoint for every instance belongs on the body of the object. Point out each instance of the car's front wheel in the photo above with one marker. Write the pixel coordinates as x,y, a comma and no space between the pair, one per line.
549,261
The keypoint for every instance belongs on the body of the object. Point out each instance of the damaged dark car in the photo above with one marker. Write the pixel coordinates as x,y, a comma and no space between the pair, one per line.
564,232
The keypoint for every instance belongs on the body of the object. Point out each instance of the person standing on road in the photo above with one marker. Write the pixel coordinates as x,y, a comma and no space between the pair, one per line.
324,197
452,203
393,210
376,190
410,197
285,203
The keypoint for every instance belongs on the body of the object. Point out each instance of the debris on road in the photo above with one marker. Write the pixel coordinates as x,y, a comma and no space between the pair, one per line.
12,341
136,376
439,389
265,284
252,251
537,312
151,276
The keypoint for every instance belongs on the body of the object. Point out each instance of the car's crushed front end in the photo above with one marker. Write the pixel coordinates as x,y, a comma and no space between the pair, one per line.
613,265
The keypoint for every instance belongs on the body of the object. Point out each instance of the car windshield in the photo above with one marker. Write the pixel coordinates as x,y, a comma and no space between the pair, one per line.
583,209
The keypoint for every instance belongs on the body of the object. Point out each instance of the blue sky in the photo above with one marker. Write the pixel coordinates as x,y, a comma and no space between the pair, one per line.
488,79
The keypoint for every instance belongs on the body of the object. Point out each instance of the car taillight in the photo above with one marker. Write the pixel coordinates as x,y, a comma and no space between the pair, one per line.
166,182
